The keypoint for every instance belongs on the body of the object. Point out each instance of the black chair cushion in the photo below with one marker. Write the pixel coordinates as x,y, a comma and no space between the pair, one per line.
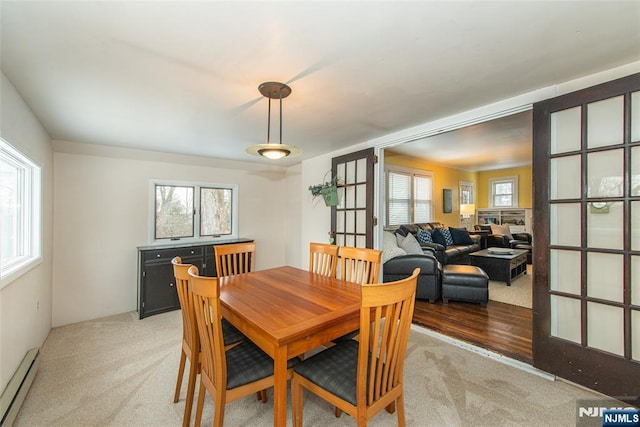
334,369
247,363
230,334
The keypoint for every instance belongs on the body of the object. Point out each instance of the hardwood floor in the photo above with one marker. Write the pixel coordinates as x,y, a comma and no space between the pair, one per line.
503,328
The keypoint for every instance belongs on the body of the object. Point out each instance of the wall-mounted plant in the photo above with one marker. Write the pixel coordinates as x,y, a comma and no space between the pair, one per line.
328,190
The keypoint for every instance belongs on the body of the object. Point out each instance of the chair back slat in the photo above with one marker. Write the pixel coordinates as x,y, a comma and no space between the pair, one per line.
206,298
189,328
235,258
360,265
323,259
385,322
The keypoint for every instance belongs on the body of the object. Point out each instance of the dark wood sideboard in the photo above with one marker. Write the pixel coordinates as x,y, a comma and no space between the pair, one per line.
156,284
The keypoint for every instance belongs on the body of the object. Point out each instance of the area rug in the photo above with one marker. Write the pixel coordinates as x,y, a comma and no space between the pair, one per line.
519,293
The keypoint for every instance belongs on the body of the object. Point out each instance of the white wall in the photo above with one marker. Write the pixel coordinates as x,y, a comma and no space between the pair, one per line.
102,215
22,324
315,217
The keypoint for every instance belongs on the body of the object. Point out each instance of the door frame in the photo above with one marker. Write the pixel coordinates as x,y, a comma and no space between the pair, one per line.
572,361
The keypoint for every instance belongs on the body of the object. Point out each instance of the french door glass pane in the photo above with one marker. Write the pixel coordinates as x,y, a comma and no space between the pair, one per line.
565,224
350,222
565,271
605,173
605,122
361,172
340,239
361,241
361,221
635,337
565,178
635,116
350,178
565,130
340,173
361,196
341,201
635,226
605,226
350,196
635,170
635,282
605,328
565,318
605,275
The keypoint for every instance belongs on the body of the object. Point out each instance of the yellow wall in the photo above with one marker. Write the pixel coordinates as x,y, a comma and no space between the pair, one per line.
443,177
525,185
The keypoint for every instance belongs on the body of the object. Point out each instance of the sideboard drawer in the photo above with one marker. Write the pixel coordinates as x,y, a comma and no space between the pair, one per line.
164,254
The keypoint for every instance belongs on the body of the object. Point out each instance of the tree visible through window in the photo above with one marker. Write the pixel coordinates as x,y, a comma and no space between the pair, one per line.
215,211
194,211
174,212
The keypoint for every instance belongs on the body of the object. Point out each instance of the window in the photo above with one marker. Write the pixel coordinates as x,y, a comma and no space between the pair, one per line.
409,197
466,193
193,211
20,216
504,192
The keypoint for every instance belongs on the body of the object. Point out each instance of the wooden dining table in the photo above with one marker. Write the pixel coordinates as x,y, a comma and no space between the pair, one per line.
287,311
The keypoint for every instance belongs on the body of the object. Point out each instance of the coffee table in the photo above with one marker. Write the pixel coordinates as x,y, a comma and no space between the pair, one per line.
503,267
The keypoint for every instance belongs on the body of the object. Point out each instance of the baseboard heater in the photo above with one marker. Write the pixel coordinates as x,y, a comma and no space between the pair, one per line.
17,389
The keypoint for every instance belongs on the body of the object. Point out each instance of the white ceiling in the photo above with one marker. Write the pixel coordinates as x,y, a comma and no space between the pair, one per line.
180,76
501,143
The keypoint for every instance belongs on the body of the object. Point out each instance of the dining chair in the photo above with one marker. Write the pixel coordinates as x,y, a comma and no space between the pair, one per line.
360,265
226,375
323,259
236,258
362,377
190,338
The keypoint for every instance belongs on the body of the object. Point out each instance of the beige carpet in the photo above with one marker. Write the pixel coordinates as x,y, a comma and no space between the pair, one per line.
519,293
121,371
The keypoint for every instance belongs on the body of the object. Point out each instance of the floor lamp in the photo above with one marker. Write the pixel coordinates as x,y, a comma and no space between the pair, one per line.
467,210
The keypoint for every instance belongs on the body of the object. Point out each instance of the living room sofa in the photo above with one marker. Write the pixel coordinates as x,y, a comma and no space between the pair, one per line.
455,252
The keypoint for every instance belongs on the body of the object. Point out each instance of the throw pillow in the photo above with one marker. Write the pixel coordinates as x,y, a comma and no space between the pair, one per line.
391,253
424,237
501,229
447,236
460,236
411,245
389,241
438,236
390,247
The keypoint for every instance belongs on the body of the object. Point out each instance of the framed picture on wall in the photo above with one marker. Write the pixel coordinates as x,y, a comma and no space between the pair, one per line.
446,200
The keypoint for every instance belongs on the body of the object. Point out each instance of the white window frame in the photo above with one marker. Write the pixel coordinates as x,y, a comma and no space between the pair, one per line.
29,213
196,204
513,180
413,173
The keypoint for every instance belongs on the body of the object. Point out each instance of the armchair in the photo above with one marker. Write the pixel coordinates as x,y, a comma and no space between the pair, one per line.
503,238
500,237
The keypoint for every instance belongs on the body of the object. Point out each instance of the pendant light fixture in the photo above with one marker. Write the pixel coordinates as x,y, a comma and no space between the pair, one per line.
273,151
